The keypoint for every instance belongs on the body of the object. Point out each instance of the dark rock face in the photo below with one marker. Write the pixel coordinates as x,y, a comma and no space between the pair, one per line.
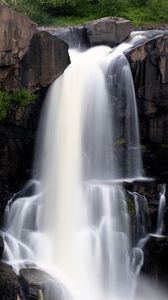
45,61
151,191
109,31
9,284
1,246
17,139
155,260
149,64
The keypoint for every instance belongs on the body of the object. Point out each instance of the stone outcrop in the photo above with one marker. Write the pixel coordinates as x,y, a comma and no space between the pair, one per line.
9,283
17,140
45,60
155,260
37,284
74,36
33,282
16,32
29,59
151,191
149,64
109,31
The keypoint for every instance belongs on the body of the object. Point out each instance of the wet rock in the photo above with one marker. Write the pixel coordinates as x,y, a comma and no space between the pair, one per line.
109,31
17,143
74,36
149,189
1,246
155,260
9,284
33,282
37,285
149,64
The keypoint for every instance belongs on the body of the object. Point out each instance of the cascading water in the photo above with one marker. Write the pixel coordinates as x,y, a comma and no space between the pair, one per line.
161,211
78,210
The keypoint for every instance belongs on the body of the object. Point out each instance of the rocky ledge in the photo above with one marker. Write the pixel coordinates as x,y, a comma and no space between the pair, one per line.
109,31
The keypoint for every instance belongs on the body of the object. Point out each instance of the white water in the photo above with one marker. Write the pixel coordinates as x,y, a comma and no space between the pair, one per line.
161,210
76,223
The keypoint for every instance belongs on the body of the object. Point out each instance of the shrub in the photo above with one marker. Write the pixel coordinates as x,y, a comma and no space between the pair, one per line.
18,98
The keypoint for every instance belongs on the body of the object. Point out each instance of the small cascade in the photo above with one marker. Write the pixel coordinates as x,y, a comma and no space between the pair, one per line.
161,210
142,216
106,223
21,235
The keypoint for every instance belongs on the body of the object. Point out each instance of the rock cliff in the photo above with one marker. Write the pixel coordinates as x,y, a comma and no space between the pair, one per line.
149,64
29,59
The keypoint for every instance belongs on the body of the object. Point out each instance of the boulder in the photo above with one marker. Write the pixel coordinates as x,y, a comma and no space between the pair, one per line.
38,284
33,282
16,32
9,284
29,59
110,31
45,60
155,260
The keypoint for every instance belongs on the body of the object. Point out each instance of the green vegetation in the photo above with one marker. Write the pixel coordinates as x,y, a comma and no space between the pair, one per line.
164,145
130,203
120,141
16,99
67,12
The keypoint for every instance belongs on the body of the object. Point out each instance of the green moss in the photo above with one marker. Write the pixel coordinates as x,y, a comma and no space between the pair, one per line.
16,99
164,145
120,141
130,203
143,147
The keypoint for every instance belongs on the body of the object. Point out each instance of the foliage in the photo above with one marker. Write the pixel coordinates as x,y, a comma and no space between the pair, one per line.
22,98
68,12
130,203
10,100
120,141
112,7
158,10
4,103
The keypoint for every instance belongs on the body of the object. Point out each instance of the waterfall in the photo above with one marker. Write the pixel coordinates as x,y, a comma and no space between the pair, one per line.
75,223
161,210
